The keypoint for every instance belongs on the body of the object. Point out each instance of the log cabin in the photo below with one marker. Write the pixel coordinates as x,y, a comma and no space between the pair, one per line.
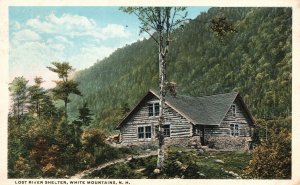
219,121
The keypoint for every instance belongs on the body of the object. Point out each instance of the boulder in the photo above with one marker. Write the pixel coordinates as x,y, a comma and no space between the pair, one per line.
200,151
201,174
129,158
179,163
156,171
140,170
219,161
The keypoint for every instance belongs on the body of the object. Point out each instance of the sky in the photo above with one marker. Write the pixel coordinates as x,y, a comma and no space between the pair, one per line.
78,35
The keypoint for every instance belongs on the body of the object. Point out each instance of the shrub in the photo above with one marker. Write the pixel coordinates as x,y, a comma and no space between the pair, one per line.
22,168
192,171
272,158
92,138
85,160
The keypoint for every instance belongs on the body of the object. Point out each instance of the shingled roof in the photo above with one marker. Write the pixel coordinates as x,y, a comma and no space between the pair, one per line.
205,110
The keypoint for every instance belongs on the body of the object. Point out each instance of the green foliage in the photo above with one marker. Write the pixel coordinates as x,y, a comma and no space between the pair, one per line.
272,158
92,138
84,120
85,159
119,172
158,19
173,163
179,163
221,27
63,69
18,89
64,87
256,61
23,168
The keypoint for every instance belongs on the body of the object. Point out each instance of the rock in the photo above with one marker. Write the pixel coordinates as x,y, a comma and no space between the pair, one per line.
179,151
140,170
201,174
179,163
156,171
200,151
233,174
129,158
148,150
193,143
183,168
219,161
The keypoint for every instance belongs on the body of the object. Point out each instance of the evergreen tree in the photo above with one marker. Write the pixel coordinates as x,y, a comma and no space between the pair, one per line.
18,89
36,93
84,120
65,86
256,61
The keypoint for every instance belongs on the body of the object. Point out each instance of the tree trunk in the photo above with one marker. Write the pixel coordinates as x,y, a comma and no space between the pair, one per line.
18,111
162,93
37,109
66,104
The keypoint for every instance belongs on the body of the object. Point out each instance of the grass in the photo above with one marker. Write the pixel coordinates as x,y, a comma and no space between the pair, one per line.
180,163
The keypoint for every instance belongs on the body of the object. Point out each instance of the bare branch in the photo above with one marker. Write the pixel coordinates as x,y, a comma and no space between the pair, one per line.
151,35
153,21
143,20
175,10
179,22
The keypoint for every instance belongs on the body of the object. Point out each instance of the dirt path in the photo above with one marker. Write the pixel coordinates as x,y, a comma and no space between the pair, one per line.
89,171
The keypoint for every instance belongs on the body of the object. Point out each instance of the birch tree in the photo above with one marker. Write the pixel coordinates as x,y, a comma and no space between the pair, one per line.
159,23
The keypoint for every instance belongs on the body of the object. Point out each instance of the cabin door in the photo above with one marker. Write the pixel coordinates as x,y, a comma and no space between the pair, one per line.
202,135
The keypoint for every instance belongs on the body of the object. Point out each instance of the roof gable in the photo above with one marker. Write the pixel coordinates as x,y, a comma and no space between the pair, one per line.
205,110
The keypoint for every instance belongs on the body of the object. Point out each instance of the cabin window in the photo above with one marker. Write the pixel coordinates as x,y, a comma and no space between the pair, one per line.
153,109
166,130
234,129
141,132
148,131
144,132
197,131
233,110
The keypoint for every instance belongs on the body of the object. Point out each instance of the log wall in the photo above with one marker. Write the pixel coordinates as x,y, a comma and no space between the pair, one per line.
220,137
179,126
182,131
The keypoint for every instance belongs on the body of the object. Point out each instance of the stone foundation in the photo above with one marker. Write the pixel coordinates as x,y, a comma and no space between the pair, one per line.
178,141
214,142
228,142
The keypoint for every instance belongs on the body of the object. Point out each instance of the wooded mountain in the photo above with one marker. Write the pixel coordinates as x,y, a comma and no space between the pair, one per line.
255,61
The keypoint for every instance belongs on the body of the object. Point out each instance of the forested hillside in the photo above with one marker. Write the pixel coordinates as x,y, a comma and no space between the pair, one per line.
255,61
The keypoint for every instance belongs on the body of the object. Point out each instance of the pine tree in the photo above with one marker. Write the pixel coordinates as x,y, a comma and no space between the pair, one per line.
35,94
65,86
84,120
18,89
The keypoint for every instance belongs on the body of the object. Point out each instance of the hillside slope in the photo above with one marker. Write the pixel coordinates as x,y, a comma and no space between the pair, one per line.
256,61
